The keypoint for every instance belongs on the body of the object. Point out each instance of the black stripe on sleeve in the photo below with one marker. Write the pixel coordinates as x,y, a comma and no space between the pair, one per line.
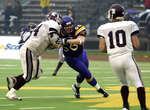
99,36
135,32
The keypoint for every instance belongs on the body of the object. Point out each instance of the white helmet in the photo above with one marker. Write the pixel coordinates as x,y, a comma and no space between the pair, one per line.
54,16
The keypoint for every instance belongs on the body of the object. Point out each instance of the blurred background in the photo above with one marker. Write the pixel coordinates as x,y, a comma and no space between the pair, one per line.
15,14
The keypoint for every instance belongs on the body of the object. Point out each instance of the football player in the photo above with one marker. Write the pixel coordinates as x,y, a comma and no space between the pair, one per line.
25,35
73,38
39,41
119,37
61,61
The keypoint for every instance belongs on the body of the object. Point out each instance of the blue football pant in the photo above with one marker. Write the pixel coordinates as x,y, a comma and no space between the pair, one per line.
80,64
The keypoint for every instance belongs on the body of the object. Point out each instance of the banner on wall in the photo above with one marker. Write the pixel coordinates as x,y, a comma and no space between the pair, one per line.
9,47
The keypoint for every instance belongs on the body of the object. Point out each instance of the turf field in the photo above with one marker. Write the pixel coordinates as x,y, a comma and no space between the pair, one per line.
55,93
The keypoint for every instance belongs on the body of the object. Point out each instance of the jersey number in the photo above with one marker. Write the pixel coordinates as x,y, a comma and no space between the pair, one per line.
120,34
37,30
72,47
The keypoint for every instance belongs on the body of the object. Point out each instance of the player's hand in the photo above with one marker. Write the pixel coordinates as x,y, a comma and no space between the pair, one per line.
64,41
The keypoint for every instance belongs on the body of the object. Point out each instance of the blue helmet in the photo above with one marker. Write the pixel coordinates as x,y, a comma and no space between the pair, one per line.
32,26
67,24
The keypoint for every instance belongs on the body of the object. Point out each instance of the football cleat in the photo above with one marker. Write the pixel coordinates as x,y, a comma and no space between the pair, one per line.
105,94
125,109
12,96
11,82
76,91
144,108
126,106
54,74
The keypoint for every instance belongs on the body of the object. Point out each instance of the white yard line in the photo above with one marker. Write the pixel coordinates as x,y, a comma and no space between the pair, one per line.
10,68
146,77
6,105
145,71
7,65
48,85
36,108
108,77
41,97
92,109
59,77
112,84
44,77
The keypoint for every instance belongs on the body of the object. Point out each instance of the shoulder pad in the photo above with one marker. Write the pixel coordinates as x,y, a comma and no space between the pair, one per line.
80,29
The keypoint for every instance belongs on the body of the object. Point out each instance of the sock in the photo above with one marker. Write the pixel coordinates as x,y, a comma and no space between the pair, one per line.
20,82
58,67
125,94
18,76
77,84
97,86
141,96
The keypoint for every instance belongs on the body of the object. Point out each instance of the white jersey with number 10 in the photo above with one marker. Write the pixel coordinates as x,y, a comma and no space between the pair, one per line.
117,36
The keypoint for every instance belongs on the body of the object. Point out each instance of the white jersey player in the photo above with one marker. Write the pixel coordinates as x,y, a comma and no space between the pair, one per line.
119,37
35,46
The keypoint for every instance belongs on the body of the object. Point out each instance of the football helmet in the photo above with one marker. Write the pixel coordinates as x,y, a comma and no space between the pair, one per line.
31,26
54,16
67,24
116,11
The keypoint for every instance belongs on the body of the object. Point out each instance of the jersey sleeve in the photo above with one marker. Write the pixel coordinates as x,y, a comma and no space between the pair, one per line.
100,32
135,28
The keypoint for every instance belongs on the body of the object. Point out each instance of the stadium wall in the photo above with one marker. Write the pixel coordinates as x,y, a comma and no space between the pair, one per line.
9,47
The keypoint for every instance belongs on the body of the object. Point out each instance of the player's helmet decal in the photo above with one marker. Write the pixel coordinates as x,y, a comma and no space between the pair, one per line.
116,11
54,16
67,24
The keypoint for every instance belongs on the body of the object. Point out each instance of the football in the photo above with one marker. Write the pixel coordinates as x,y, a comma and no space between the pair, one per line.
54,41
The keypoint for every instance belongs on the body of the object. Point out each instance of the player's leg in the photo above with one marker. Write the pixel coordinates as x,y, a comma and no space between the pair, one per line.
117,67
11,81
124,88
60,63
78,65
85,60
37,71
77,84
27,65
134,74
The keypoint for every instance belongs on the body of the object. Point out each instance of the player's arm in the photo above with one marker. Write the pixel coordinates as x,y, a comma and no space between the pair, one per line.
102,44
79,40
134,37
81,33
135,41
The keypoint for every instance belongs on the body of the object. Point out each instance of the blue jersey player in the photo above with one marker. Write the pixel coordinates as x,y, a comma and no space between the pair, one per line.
73,38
